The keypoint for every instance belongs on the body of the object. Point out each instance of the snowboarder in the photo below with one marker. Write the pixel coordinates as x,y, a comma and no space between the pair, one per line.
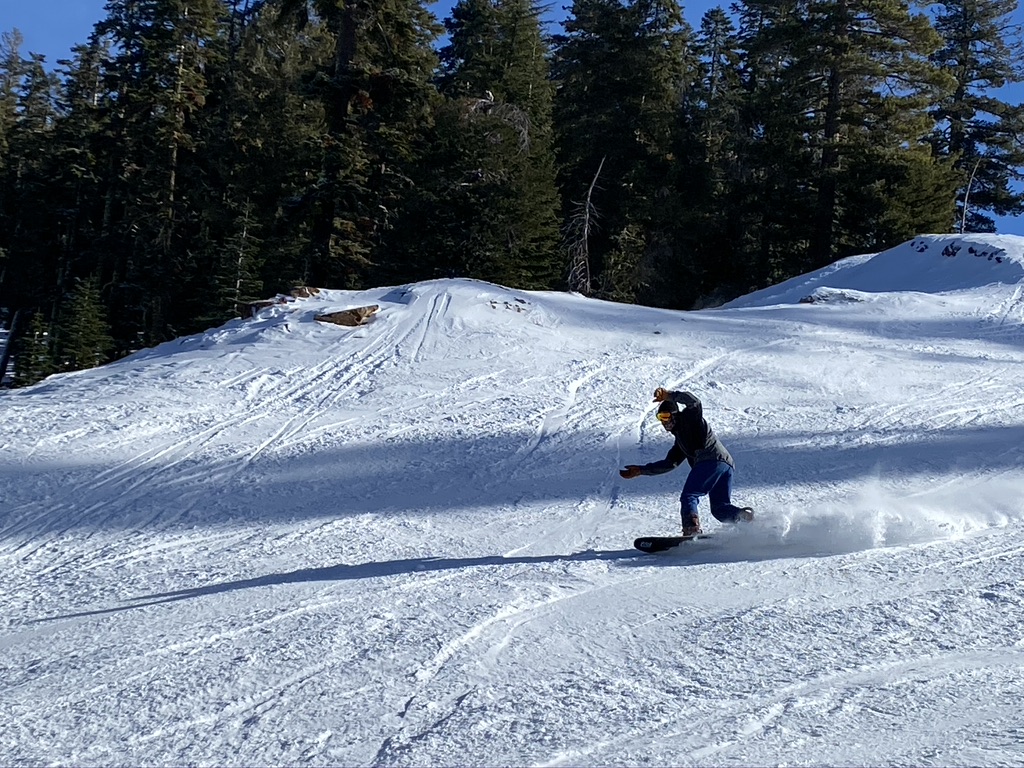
711,465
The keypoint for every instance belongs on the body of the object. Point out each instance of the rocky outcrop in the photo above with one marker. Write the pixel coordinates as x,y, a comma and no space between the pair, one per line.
349,317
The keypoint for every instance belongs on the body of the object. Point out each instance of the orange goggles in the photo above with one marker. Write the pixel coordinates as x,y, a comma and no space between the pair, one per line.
665,416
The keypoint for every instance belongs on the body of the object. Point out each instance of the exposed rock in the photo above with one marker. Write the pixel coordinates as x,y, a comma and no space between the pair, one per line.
826,295
249,309
349,317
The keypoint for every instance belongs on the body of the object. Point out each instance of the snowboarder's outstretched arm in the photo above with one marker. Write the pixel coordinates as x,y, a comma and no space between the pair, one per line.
671,461
689,403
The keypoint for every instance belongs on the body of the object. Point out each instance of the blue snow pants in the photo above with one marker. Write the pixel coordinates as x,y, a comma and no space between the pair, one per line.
714,480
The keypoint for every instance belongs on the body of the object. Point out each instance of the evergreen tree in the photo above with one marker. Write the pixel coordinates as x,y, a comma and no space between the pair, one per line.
377,98
772,201
33,360
74,192
226,240
532,235
11,73
157,79
982,51
487,198
83,335
12,70
471,62
718,94
29,239
621,70
714,229
262,138
859,69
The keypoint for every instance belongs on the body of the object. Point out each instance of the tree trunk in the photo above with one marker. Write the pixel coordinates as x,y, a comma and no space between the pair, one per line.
823,235
5,358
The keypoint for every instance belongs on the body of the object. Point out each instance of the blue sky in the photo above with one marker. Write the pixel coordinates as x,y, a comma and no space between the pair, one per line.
52,27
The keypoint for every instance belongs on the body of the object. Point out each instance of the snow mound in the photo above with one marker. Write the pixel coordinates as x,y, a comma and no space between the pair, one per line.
926,264
292,320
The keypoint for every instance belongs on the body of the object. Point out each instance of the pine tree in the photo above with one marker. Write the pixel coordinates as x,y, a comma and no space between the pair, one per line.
157,79
475,51
28,237
83,334
533,233
377,98
772,202
33,360
11,74
488,197
713,231
226,240
620,71
862,82
12,70
261,137
73,200
982,51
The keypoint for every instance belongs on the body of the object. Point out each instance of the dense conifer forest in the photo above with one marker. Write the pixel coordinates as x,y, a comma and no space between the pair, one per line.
193,156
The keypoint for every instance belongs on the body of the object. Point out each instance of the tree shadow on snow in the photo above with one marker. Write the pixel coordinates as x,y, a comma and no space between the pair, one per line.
344,572
480,475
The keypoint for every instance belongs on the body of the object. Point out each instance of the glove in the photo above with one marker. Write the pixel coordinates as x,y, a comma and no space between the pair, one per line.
631,471
661,395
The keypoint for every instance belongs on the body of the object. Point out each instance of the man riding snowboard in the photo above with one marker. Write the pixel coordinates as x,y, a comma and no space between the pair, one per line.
711,465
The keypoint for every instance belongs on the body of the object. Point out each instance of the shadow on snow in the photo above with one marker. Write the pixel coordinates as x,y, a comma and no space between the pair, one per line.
344,572
493,474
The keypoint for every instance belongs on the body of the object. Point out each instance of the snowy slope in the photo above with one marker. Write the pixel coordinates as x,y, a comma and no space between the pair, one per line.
284,542
928,263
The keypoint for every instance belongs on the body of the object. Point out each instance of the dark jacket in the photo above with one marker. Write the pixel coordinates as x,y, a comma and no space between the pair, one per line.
695,440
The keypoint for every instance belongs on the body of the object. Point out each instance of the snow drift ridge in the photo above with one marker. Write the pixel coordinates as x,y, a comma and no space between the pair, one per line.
927,264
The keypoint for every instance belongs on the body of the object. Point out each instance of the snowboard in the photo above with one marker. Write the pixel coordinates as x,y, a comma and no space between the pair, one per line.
661,543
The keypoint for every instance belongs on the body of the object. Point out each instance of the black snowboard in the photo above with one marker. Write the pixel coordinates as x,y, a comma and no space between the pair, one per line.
661,543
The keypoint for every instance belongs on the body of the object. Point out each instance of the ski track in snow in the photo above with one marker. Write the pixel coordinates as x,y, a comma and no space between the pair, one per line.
407,543
313,390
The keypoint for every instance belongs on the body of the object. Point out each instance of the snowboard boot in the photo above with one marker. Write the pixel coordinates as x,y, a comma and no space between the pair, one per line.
691,525
746,514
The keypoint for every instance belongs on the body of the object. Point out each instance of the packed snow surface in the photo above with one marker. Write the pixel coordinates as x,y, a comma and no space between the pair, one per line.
286,542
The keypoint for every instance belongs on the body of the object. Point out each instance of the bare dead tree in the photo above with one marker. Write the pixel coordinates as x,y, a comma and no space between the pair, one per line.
578,229
967,195
510,114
